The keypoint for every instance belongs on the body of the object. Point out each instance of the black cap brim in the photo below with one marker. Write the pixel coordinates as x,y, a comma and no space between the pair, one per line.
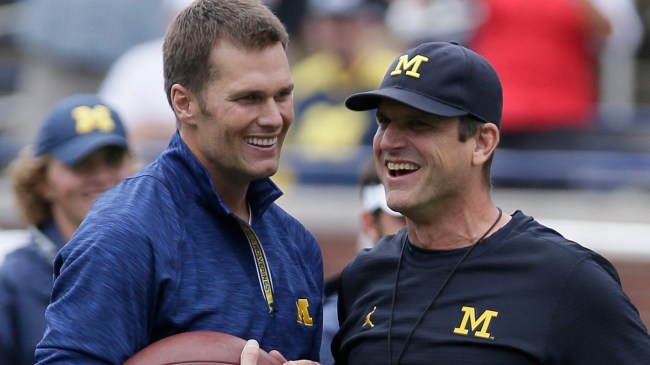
370,100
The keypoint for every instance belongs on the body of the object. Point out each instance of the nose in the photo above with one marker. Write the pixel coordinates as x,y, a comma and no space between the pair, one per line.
271,114
389,138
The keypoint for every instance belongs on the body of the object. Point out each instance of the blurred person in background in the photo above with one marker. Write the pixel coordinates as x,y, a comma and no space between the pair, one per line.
134,86
617,62
81,150
292,14
344,56
66,47
377,220
417,21
546,52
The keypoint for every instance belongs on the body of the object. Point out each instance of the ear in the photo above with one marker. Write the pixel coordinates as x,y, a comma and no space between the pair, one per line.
369,227
185,104
486,142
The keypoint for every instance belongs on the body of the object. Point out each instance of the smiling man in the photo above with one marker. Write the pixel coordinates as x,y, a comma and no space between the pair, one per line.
465,284
194,241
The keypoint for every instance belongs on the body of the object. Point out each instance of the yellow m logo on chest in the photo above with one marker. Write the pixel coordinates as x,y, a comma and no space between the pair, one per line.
411,66
483,321
302,305
88,119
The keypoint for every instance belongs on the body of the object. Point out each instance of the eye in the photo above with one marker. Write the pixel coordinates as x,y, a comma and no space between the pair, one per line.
115,156
416,123
382,122
81,166
284,95
112,157
248,98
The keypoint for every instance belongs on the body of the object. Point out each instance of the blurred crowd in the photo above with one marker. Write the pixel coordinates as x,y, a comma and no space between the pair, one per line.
568,67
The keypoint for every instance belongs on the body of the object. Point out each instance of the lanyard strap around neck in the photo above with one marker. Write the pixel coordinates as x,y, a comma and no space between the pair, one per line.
261,264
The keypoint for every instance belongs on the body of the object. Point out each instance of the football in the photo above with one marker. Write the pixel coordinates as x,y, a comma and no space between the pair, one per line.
197,348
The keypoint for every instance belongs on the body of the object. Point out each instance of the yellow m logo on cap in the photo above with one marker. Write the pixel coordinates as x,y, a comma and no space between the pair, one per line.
410,66
88,119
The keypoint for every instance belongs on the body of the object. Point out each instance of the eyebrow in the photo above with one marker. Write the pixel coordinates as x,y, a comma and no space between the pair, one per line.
411,114
255,91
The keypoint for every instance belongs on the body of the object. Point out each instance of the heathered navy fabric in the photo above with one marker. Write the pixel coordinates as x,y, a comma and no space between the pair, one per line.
161,254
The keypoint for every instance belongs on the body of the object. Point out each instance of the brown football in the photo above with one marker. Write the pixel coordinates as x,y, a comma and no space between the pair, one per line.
197,348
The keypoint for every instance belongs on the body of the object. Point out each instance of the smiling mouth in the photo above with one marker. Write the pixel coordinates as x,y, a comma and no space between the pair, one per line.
261,142
396,169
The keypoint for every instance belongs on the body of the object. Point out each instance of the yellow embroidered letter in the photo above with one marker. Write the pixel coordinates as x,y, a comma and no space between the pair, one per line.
302,305
411,67
470,315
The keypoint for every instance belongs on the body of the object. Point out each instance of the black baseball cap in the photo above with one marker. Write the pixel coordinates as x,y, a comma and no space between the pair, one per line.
441,78
77,126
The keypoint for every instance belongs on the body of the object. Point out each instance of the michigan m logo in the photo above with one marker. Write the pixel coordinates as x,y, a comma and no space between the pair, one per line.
483,321
88,119
410,66
302,305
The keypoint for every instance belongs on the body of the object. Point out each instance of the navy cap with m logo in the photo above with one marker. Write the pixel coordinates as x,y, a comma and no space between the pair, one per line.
442,78
77,126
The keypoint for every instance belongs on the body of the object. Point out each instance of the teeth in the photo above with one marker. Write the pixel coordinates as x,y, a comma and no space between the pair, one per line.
261,141
402,166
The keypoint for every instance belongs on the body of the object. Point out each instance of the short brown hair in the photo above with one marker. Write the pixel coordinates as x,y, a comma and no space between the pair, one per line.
195,30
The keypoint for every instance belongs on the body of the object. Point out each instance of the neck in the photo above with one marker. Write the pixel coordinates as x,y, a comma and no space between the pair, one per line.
232,193
231,188
451,231
236,202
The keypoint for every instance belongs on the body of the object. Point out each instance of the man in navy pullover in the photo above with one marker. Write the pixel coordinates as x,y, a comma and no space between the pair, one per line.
194,241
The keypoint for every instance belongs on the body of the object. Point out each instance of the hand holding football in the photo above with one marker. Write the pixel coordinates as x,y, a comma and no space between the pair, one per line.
197,348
